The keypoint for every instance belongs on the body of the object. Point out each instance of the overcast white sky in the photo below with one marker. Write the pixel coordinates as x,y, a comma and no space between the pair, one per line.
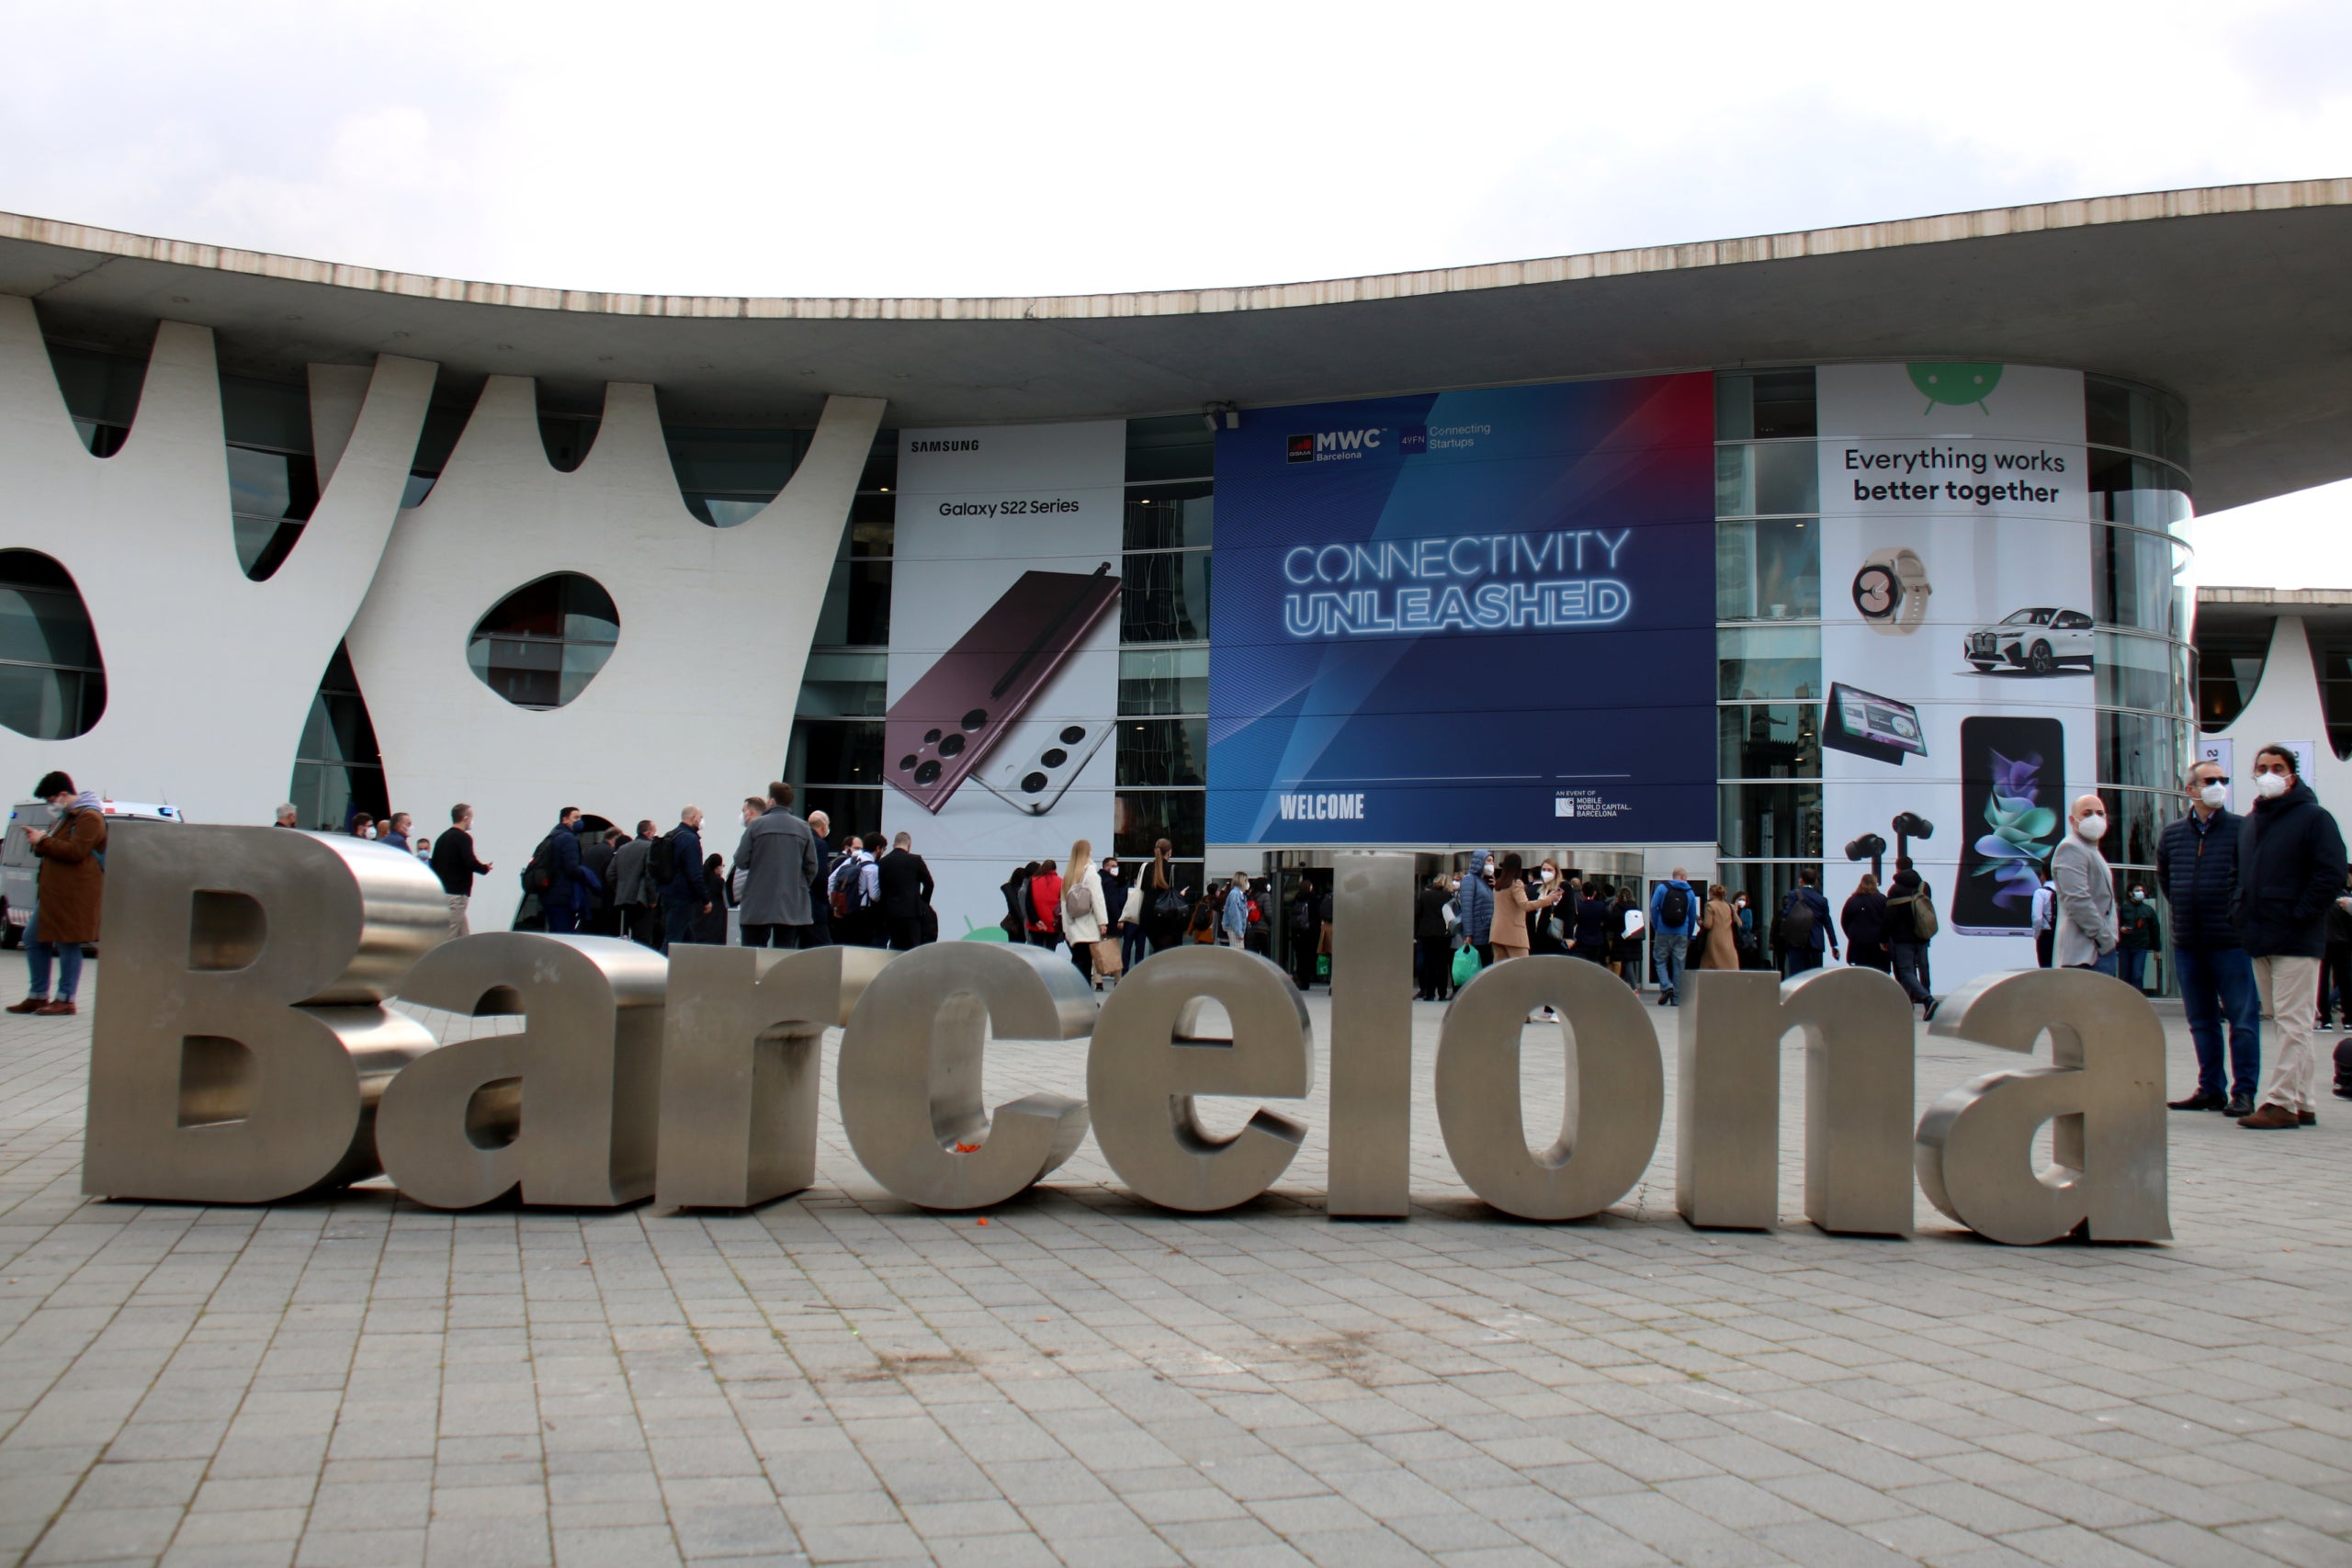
913,149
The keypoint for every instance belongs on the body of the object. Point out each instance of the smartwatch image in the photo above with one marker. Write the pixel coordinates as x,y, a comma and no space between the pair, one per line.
1891,591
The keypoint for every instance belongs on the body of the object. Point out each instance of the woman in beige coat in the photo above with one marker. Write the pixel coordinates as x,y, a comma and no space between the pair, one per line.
1083,916
1720,949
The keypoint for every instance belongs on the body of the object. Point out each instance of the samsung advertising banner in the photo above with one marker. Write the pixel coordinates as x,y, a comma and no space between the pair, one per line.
1004,653
1468,617
1956,643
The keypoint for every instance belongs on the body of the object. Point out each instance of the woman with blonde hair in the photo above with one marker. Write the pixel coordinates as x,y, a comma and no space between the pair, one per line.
1716,923
1083,916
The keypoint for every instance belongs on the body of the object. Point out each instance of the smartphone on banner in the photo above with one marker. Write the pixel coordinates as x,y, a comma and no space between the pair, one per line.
946,723
2013,812
1036,763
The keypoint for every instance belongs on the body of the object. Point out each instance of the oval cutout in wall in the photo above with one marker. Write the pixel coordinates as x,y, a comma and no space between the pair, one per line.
540,646
52,680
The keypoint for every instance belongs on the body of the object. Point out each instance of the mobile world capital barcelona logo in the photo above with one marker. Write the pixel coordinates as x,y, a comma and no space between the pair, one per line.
1350,445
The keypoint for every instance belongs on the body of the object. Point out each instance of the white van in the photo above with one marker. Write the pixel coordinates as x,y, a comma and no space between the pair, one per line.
20,872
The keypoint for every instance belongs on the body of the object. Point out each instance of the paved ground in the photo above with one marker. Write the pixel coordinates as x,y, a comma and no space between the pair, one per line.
1082,1379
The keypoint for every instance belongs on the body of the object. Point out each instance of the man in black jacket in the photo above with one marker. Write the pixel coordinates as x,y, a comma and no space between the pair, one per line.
1435,946
906,888
453,862
2197,871
2290,868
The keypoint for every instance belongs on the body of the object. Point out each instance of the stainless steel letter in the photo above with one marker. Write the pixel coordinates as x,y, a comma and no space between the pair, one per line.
239,1048
1146,1063
739,1067
1857,1087
1727,1100
568,1109
909,1074
1371,1036
2104,1091
1616,1099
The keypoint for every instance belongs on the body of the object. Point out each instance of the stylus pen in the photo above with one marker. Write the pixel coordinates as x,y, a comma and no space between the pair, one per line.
1046,635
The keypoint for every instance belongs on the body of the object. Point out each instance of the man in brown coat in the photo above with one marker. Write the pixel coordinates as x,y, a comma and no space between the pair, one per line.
65,908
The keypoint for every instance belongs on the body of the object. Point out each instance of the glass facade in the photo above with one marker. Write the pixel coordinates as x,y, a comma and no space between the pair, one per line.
337,769
1163,757
52,680
1767,598
833,761
540,646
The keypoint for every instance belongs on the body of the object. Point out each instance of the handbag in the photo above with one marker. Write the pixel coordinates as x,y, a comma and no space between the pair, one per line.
1465,964
1108,961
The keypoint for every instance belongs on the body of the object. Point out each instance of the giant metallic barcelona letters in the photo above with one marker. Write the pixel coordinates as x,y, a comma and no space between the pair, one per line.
1857,1094
250,1045
241,1042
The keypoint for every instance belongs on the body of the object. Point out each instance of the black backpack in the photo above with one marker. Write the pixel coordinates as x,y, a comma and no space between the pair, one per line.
1796,923
661,860
1674,909
538,873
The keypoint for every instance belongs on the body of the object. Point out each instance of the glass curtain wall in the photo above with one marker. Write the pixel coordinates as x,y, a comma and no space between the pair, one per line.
834,759
1768,638
1162,755
1767,608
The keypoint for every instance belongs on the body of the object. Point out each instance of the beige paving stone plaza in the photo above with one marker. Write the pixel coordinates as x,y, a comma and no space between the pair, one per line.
838,1377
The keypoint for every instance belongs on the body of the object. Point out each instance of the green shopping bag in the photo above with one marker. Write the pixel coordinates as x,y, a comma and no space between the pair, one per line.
1322,965
1465,964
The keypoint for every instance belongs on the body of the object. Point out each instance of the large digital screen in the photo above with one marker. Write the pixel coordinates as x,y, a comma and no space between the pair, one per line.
1480,616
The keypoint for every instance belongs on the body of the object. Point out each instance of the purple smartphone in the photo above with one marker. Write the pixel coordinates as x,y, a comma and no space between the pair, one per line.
935,734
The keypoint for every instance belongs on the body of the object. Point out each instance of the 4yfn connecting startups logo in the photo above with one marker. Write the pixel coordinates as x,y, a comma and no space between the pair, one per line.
1348,446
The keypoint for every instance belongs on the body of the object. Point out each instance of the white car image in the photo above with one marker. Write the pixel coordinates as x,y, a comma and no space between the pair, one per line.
2040,641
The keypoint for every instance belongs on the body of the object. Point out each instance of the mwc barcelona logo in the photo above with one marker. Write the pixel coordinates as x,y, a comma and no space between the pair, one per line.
1349,445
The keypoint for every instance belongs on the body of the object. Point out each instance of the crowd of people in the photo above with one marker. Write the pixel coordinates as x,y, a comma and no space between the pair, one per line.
2259,905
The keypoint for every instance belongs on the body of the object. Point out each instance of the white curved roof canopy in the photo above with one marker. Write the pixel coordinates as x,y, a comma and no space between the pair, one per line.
2232,296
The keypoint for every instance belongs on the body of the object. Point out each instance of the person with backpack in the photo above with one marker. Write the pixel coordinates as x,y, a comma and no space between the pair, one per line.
1674,921
67,894
564,885
674,865
855,890
1805,927
1911,925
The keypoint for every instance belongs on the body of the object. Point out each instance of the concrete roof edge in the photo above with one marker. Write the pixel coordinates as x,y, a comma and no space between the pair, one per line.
1988,223
2330,598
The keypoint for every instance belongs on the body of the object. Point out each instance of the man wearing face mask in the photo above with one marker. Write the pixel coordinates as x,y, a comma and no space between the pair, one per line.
2085,917
2290,867
2197,871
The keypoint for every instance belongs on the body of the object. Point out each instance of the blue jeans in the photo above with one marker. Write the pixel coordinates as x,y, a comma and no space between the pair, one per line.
2134,970
1132,948
69,962
2103,964
2217,986
1911,971
1667,950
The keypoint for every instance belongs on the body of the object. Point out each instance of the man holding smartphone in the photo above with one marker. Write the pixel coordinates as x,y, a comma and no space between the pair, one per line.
2290,868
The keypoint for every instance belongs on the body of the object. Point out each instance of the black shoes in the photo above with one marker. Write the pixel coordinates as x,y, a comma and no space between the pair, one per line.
1929,1016
2201,1101
2306,1117
2238,1106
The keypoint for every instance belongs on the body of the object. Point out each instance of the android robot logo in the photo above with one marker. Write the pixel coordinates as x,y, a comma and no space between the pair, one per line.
1956,382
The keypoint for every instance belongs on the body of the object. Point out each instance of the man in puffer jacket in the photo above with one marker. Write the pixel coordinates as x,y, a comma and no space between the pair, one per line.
1476,903
2197,871
2290,867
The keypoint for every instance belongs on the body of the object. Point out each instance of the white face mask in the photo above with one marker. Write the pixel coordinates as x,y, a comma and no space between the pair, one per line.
2270,786
2139,893
2215,795
1548,874
2092,828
